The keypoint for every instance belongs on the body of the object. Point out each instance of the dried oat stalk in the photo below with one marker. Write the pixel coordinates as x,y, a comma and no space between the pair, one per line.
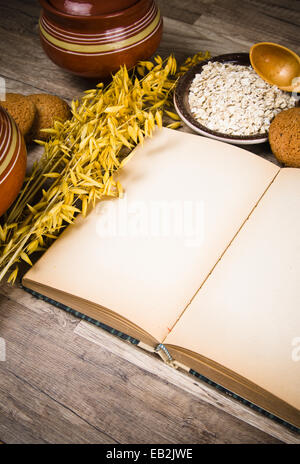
83,155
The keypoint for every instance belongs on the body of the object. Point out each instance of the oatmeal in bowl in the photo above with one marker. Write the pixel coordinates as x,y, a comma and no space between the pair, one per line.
225,99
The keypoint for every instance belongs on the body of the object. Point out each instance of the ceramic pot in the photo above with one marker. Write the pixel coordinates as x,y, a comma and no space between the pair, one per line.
96,45
12,160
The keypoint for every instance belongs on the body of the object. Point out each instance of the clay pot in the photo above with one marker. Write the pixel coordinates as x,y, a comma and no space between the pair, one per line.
95,45
12,160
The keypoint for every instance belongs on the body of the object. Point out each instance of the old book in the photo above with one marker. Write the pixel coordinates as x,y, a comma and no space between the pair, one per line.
200,260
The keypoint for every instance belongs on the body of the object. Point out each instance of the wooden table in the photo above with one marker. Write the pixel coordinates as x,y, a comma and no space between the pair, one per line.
66,381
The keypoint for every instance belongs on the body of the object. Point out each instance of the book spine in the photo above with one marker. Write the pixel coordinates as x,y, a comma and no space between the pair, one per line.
162,351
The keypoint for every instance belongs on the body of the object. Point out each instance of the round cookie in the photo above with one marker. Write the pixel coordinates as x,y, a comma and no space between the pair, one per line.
49,109
23,112
284,137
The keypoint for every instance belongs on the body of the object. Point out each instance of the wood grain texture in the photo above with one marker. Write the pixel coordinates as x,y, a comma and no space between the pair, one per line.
97,393
224,26
66,381
22,61
186,382
28,415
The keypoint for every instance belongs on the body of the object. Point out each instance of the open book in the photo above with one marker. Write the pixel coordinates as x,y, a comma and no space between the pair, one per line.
202,258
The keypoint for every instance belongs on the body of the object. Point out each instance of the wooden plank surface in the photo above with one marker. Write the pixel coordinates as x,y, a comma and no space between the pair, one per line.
66,381
95,372
55,379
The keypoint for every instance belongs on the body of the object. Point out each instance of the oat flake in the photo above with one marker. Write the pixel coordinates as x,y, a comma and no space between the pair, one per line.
234,100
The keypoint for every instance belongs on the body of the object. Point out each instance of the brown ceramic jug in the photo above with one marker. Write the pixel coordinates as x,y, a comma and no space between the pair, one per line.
94,38
12,160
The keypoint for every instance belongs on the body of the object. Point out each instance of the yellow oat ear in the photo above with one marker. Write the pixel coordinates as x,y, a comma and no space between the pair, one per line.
174,125
83,154
172,115
158,119
12,277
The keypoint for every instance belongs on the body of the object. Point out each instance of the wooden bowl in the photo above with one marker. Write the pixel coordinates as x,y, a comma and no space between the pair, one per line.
97,45
12,160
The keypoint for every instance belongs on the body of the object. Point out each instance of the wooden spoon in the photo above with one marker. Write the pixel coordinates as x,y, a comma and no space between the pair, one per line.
277,65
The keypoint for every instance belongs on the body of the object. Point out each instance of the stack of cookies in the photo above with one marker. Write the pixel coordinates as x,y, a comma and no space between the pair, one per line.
33,113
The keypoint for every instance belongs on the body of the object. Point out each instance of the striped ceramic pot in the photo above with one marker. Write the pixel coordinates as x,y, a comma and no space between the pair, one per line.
96,45
12,160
